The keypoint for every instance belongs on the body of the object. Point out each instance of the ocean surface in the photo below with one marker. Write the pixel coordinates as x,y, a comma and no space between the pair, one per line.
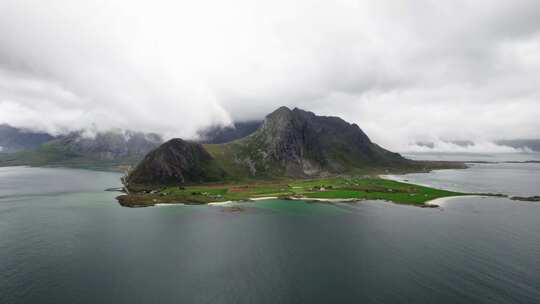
65,240
515,174
513,179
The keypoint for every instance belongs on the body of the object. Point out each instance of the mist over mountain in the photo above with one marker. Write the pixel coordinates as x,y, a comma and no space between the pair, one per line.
223,134
404,71
523,144
300,143
111,145
15,139
288,143
103,150
469,146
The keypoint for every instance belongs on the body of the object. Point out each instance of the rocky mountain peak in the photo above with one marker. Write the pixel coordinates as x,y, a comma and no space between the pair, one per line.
303,143
292,143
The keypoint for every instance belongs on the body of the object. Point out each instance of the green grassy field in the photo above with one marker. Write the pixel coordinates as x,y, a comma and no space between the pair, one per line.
327,188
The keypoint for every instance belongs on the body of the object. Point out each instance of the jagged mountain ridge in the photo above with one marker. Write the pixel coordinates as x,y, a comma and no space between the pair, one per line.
289,143
299,143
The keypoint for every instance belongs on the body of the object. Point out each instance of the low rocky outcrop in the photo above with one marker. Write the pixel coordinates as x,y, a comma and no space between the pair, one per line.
535,198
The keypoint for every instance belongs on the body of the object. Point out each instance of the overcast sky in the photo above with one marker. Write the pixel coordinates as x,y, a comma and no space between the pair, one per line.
404,71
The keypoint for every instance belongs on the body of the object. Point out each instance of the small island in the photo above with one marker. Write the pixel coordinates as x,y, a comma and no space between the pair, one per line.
294,154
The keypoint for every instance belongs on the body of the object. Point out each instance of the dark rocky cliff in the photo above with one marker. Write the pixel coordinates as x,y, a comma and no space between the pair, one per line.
300,143
176,162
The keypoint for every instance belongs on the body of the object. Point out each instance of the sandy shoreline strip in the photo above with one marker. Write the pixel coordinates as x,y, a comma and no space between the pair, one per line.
239,201
328,200
220,203
441,201
264,198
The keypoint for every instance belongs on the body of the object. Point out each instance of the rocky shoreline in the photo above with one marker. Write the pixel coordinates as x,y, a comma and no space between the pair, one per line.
149,200
535,198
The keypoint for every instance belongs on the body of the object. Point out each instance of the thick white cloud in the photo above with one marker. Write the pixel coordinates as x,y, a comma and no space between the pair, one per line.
405,71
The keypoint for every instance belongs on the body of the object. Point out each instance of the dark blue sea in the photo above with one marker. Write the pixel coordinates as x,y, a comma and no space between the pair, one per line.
63,239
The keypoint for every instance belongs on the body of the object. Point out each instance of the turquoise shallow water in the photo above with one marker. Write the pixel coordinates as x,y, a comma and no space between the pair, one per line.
65,240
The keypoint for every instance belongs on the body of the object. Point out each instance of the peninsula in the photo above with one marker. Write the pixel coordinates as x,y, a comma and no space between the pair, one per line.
293,154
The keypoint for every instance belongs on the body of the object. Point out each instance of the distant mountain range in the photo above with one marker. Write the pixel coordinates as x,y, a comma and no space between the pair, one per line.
287,144
107,150
521,144
113,150
15,139
531,144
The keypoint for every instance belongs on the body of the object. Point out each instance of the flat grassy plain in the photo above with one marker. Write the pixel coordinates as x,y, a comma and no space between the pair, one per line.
308,189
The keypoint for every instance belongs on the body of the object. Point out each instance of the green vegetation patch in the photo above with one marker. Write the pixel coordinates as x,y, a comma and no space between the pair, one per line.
323,188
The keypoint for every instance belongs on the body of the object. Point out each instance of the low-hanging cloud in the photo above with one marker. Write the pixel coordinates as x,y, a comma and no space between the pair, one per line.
404,71
480,147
